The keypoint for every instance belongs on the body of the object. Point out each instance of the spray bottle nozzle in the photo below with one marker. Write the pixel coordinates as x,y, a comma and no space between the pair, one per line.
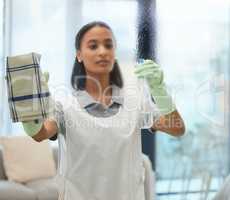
140,60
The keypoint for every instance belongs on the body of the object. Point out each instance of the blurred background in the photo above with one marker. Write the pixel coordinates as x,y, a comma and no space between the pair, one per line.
189,39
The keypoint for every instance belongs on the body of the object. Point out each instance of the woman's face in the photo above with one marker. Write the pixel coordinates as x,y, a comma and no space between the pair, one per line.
97,51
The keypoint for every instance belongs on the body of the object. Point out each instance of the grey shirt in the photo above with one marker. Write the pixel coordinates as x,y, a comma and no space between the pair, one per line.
94,107
97,109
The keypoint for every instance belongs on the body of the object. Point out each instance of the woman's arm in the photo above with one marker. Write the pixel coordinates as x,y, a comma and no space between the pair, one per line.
48,130
172,124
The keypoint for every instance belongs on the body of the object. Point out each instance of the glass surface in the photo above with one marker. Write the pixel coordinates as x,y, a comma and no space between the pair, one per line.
49,28
193,49
123,25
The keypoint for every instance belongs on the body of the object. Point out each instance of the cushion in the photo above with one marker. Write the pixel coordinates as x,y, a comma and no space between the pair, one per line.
44,189
15,191
2,170
26,160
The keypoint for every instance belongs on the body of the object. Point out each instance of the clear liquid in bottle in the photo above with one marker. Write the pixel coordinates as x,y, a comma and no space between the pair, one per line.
146,106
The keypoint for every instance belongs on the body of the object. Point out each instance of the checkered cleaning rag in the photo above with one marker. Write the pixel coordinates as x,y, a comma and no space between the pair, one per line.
28,93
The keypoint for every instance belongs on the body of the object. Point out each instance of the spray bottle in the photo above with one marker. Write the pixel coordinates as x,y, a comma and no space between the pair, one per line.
147,105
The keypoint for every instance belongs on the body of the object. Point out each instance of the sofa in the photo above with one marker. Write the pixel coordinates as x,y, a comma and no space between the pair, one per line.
42,189
46,189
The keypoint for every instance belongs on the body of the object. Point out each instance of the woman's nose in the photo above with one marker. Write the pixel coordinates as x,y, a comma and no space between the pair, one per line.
102,50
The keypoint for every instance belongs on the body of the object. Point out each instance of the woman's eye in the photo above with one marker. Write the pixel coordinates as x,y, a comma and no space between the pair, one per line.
94,46
109,46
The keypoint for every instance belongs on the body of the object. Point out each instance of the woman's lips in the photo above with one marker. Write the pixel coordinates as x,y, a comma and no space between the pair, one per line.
103,62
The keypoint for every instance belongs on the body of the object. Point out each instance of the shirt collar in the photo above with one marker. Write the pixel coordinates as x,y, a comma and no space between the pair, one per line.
85,99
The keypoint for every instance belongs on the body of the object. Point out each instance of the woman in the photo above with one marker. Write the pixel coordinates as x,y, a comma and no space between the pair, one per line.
104,158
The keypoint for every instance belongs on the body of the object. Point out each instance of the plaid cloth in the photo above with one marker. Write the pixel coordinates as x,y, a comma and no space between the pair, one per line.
28,93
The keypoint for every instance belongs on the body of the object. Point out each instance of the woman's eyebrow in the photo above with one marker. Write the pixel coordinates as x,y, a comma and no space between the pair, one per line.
108,40
95,41
92,41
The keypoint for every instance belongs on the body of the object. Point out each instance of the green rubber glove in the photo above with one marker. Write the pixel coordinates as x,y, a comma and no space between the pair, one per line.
154,76
46,76
33,127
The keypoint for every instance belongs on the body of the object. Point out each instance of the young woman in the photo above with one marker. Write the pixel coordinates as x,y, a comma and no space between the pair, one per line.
102,122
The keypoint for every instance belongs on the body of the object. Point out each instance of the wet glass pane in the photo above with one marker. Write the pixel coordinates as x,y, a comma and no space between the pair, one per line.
2,100
193,49
1,29
123,24
39,26
49,28
1,42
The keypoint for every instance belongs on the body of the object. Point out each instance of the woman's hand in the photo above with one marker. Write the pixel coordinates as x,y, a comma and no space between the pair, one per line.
40,129
170,121
153,74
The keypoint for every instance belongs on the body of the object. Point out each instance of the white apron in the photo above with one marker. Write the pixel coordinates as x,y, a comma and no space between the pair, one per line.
103,155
